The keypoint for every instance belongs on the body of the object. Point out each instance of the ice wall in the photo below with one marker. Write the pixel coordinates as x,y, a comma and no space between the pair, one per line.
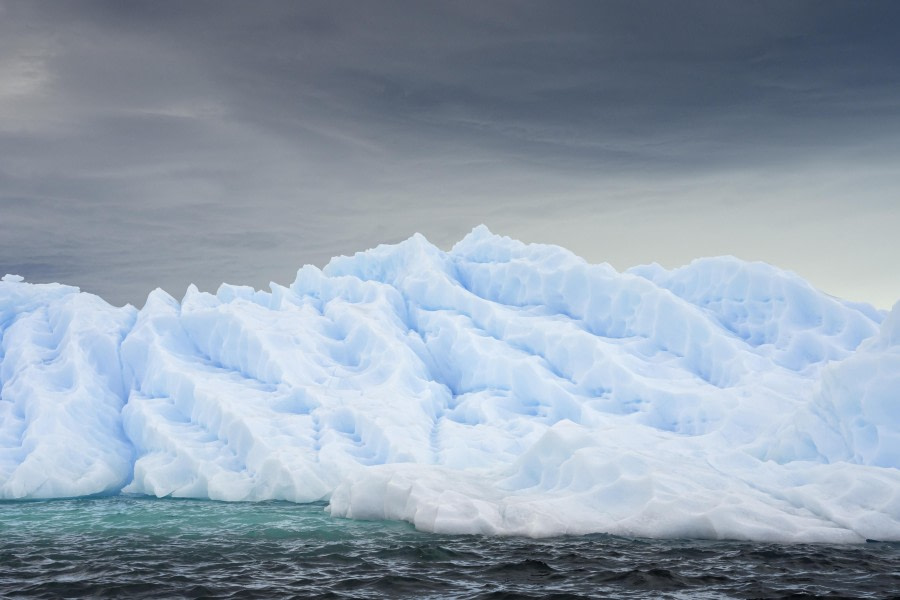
61,392
498,388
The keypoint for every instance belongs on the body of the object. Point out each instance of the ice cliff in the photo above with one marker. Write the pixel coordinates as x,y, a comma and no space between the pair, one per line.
498,388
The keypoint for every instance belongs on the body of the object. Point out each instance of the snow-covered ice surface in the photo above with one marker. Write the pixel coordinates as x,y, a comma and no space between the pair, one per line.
498,388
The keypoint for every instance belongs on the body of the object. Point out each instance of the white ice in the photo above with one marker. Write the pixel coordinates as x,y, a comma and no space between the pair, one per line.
498,388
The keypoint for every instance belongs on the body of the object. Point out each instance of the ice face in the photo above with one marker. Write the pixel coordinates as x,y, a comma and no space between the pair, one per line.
61,392
497,388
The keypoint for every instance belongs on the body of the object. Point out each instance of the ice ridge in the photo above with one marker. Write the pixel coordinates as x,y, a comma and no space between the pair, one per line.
499,388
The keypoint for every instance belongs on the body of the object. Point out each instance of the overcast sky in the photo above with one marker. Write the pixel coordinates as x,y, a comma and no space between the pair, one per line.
154,144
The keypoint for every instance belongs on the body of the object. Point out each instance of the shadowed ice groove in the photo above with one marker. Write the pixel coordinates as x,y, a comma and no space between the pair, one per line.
497,388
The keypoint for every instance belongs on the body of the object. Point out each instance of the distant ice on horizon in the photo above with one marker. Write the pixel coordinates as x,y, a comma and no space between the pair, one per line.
498,388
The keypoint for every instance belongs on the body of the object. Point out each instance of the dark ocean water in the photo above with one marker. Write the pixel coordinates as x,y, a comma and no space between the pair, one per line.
144,548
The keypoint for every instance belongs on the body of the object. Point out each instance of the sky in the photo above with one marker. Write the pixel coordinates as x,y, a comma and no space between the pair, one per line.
150,144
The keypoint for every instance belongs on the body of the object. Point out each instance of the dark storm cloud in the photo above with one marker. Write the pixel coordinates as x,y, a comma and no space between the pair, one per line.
158,143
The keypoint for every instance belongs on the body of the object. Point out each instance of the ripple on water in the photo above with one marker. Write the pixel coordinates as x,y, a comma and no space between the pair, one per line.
148,548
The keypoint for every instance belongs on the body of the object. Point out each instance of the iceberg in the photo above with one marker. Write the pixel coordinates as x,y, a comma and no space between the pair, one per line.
499,388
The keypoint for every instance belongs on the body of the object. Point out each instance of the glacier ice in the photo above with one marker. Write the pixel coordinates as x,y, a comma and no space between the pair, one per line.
498,388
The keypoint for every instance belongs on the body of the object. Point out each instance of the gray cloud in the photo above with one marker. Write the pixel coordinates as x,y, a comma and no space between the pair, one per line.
150,144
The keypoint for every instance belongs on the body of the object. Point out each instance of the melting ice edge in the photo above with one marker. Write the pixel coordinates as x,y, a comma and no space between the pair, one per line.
499,388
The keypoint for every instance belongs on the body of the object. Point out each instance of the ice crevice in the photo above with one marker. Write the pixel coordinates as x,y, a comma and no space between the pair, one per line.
498,388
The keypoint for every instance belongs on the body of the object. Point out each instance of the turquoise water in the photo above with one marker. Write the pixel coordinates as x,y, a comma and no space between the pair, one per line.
150,548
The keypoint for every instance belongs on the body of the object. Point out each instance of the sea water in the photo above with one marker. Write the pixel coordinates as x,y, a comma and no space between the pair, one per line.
150,548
